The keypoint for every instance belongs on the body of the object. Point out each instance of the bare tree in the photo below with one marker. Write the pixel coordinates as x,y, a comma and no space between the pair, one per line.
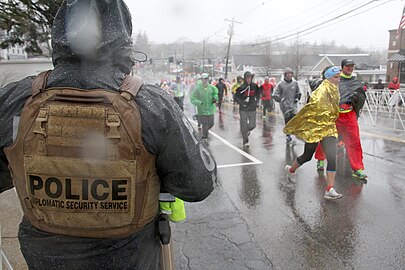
294,57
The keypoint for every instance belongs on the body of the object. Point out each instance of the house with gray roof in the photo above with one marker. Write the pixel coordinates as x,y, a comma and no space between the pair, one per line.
310,66
365,69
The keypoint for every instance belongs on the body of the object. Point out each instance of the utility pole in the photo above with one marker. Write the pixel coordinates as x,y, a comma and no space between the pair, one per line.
297,60
267,54
203,63
176,62
230,32
183,63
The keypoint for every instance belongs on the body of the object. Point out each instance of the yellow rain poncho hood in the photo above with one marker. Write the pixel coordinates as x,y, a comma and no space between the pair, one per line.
316,120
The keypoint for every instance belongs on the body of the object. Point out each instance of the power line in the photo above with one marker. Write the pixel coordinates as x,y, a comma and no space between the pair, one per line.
219,30
332,46
319,28
327,14
289,18
253,9
315,26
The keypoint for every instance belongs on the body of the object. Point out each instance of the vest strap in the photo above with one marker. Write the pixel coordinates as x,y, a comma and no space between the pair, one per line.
131,85
39,83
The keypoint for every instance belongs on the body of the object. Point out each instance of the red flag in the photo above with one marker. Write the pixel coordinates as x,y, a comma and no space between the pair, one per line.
401,23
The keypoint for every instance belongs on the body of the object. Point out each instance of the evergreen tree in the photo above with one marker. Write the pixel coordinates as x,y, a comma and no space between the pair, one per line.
28,23
142,43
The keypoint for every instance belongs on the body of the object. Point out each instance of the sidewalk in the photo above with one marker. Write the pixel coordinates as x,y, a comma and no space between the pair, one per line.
214,236
10,217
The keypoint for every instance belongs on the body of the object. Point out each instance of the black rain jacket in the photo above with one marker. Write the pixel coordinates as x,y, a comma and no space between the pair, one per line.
92,48
248,95
352,92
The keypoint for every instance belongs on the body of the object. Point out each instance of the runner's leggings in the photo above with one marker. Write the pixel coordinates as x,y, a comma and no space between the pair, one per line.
328,145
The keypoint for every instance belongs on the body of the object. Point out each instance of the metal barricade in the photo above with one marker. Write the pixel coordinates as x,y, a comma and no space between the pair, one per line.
384,108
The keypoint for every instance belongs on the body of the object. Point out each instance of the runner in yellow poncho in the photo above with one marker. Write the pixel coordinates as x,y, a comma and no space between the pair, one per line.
314,123
317,119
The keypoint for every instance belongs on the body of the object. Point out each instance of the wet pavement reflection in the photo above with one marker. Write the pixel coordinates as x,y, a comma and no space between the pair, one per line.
292,223
250,189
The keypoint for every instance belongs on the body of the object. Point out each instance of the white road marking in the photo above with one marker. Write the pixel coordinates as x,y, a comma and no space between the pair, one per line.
254,161
238,164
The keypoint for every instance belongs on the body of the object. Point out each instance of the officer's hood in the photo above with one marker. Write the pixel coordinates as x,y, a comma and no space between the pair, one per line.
92,38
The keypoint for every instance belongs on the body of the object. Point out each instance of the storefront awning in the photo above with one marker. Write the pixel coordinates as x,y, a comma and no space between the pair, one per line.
398,57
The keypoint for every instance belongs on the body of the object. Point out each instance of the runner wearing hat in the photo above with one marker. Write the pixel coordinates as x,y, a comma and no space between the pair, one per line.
288,93
247,96
204,97
315,123
352,99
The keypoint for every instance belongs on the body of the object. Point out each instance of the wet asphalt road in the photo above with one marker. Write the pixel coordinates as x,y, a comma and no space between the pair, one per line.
256,220
274,224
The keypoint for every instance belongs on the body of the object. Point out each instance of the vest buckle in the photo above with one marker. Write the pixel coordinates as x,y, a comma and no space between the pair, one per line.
113,122
41,118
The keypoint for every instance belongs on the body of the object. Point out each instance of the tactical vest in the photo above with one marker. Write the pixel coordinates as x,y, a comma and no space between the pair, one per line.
79,165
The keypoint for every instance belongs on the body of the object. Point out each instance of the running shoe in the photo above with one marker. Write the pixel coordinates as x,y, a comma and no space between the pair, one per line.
245,142
359,174
290,175
320,165
332,195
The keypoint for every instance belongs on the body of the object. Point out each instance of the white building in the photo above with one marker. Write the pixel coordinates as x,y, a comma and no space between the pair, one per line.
14,53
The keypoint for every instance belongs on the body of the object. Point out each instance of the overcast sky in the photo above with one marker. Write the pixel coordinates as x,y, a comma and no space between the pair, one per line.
263,20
